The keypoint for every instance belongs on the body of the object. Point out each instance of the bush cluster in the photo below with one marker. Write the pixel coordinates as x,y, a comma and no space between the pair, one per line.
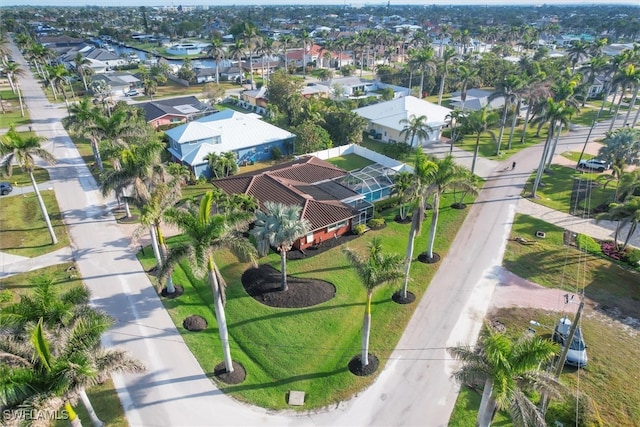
376,223
383,205
359,229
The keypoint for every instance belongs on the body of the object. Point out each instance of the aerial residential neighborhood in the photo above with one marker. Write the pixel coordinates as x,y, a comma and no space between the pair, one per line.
323,215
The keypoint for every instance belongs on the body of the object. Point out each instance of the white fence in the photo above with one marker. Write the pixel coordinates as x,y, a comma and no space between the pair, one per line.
363,152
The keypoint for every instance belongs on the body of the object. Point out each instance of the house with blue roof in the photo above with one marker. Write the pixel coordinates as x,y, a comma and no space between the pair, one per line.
245,135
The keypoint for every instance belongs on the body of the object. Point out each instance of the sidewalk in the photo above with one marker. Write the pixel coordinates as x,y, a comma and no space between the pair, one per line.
12,264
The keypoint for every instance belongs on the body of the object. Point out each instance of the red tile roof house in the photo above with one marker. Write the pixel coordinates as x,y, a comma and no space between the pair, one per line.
331,208
316,53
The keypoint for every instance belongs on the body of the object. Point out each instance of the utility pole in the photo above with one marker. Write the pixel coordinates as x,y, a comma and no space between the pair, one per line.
544,402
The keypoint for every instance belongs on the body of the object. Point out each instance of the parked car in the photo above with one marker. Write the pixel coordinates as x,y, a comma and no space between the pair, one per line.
577,354
594,164
5,188
132,92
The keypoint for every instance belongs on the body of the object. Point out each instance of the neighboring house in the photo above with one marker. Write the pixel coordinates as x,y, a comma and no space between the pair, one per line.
206,75
103,59
119,82
261,68
316,55
254,98
230,73
174,110
246,135
476,99
357,86
385,118
331,208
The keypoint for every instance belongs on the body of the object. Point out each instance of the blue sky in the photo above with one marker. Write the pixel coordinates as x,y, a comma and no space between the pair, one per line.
301,2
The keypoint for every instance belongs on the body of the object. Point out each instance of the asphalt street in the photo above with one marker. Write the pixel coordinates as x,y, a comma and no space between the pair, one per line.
414,389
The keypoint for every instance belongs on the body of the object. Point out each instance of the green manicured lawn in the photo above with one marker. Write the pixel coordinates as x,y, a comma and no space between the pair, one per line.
19,178
465,413
488,147
305,349
23,230
558,187
11,113
350,162
575,156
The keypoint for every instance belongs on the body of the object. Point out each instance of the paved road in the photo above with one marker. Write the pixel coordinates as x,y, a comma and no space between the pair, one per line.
414,389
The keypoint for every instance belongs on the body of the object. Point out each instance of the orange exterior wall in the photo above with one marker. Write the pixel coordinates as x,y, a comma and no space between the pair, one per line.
321,236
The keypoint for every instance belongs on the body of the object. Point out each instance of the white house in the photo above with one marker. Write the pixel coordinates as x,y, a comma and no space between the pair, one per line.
385,119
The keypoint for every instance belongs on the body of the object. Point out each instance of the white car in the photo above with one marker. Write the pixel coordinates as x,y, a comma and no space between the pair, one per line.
132,92
577,354
594,164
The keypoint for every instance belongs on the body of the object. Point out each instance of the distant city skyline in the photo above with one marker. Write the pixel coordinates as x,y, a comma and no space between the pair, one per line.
124,3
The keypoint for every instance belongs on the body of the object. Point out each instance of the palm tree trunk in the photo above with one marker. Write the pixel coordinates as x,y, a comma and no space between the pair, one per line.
283,267
513,125
631,105
421,83
542,161
163,253
366,331
615,116
154,245
635,119
475,154
553,149
410,79
96,154
73,417
43,208
126,204
11,83
20,100
221,319
97,422
434,223
441,91
217,72
503,122
415,224
487,405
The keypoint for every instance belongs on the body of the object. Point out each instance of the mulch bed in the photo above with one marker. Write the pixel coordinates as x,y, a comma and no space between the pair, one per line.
236,377
426,260
406,220
397,297
179,290
195,323
263,285
459,206
356,368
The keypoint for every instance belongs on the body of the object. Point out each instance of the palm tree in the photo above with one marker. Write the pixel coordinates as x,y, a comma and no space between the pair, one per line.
81,63
217,52
237,51
578,50
83,116
305,39
285,41
455,117
509,369
250,36
443,176
54,365
625,214
448,54
467,76
424,61
402,185
557,114
13,72
280,225
479,122
376,269
421,179
23,150
205,233
621,147
508,90
415,127
627,77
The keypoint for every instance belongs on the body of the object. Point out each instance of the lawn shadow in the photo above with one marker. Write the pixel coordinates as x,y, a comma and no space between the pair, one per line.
295,378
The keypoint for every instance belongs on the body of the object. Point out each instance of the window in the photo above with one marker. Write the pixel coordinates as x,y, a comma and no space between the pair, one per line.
337,225
310,238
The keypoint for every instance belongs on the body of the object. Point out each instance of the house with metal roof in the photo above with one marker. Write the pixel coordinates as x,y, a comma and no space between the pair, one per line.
245,135
331,208
163,112
385,119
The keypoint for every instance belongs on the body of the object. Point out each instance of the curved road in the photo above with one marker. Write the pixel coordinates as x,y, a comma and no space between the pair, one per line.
414,388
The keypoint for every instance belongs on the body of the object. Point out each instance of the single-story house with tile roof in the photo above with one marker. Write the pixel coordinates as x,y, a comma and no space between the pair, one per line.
331,208
119,82
174,110
385,118
245,135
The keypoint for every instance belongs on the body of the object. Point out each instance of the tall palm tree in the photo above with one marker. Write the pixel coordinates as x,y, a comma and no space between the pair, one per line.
456,116
621,148
402,185
448,54
237,51
578,51
83,116
305,39
280,225
217,52
625,214
22,150
376,269
508,90
468,76
205,233
14,71
509,369
626,78
82,65
444,175
250,37
424,61
479,122
557,114
415,130
421,179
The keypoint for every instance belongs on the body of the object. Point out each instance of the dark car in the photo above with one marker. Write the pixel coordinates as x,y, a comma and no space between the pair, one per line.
5,188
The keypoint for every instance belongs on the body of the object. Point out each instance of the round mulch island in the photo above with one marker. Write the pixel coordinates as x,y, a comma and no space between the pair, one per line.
399,220
128,220
425,259
356,368
195,323
263,284
236,377
398,299
459,206
179,290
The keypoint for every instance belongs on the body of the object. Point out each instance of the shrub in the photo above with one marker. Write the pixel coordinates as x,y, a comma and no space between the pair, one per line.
632,257
609,249
276,153
359,229
376,223
587,244
388,203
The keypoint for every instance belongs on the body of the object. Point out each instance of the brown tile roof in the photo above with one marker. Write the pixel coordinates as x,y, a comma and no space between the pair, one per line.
292,184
